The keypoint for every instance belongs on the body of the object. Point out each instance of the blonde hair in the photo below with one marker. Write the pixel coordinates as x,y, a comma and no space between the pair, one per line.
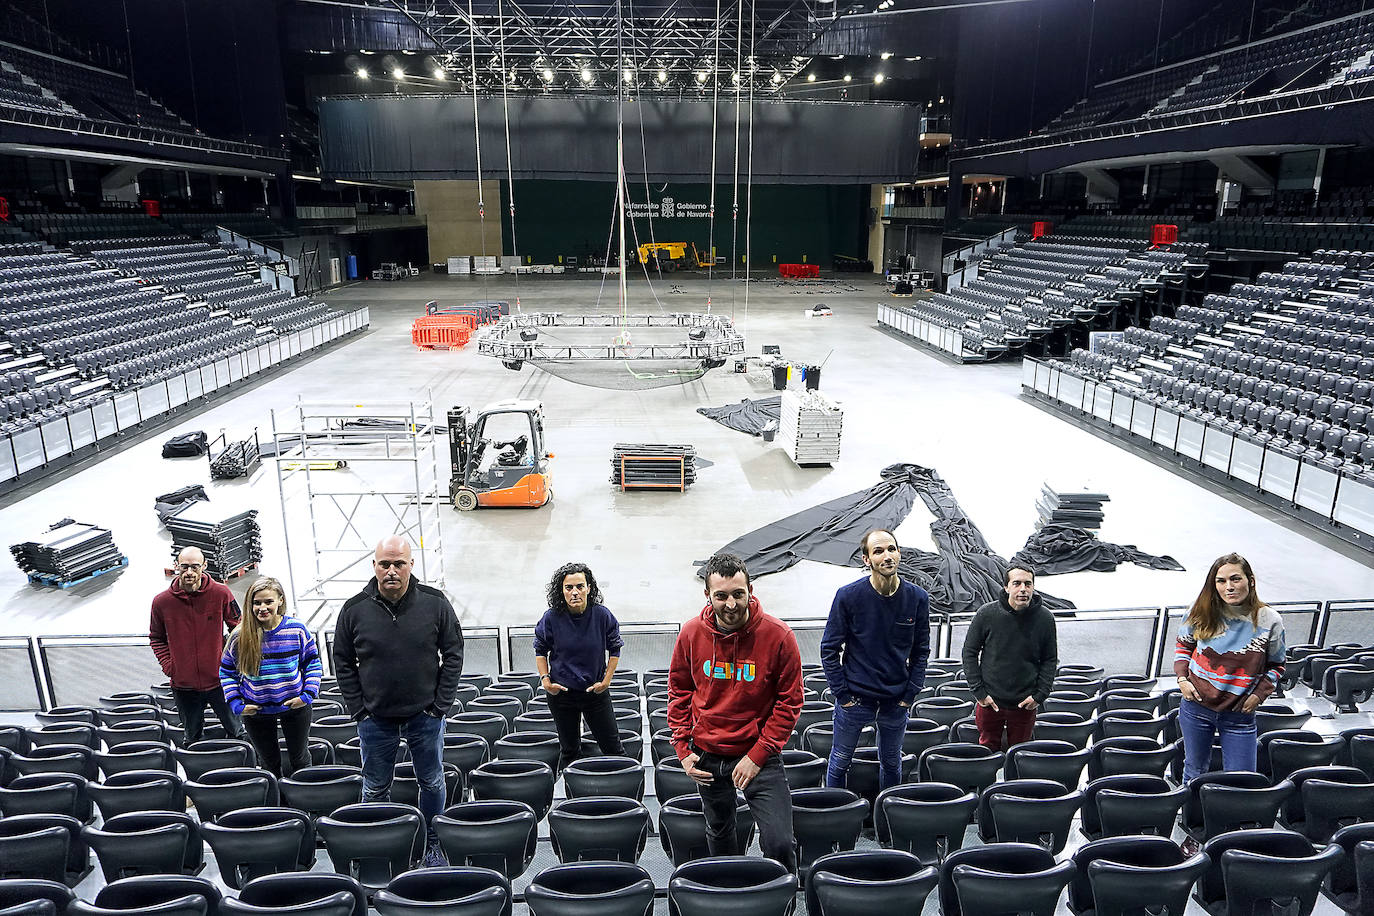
246,642
1206,617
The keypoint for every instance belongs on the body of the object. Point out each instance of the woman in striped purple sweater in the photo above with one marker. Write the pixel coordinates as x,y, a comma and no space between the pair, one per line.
270,673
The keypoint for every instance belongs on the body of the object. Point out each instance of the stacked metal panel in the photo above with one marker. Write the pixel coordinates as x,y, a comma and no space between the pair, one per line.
809,427
239,459
653,466
230,544
1078,507
68,552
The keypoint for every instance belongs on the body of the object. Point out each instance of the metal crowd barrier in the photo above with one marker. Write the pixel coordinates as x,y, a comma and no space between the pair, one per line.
40,672
35,447
1339,503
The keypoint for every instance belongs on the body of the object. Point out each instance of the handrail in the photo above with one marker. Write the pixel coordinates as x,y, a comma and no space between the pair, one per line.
505,637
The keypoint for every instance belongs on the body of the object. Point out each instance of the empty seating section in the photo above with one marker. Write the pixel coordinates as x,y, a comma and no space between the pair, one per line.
1025,291
253,225
1303,57
205,822
94,92
215,276
122,314
1286,361
20,91
64,229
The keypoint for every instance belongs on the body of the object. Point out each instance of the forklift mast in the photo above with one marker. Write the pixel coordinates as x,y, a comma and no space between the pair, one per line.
458,445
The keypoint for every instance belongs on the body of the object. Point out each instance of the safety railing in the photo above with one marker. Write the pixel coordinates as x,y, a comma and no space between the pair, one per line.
41,672
1337,501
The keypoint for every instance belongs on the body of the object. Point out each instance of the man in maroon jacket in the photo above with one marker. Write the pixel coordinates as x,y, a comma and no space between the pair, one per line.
734,692
187,633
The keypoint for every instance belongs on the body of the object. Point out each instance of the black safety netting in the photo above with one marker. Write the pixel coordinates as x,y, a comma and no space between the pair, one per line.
962,575
748,416
1057,549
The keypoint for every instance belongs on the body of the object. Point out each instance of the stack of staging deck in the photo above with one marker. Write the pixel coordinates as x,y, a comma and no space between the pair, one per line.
653,466
809,427
67,553
232,545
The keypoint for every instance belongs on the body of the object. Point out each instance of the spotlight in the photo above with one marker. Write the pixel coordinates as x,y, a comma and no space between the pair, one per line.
847,77
663,76
398,74
548,75
878,79
810,77
586,75
361,73
886,55
701,77
629,76
777,77
734,77
439,73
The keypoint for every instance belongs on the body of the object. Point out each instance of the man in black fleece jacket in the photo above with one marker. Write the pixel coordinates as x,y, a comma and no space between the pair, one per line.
398,657
1011,655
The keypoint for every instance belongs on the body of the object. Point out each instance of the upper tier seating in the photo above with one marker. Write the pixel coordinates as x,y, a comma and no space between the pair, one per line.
93,91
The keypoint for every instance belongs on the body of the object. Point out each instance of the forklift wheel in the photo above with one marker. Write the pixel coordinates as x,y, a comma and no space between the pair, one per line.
465,499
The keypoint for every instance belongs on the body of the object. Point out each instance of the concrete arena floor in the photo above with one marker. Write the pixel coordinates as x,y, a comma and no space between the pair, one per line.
900,403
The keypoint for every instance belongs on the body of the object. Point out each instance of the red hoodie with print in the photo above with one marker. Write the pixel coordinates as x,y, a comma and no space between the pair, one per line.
736,693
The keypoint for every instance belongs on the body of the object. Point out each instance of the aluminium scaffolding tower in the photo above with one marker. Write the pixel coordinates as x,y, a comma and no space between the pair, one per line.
350,475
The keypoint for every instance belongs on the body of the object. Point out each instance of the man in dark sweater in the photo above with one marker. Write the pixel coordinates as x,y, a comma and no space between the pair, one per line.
1011,654
398,657
874,652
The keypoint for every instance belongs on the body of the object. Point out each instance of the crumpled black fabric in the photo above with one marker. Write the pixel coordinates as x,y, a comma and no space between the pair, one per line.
748,416
1058,548
169,504
962,576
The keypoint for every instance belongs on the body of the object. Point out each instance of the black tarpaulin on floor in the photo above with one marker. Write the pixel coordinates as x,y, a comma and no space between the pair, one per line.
961,576
748,416
1057,549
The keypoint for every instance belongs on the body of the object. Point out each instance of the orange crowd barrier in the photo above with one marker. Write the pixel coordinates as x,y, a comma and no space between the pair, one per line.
442,332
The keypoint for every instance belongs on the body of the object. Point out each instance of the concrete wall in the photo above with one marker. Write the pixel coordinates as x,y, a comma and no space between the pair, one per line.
455,229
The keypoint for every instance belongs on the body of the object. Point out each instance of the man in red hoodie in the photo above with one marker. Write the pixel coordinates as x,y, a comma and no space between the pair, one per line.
187,633
734,692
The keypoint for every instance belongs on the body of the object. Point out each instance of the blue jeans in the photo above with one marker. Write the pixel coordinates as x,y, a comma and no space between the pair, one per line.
1238,739
380,740
890,717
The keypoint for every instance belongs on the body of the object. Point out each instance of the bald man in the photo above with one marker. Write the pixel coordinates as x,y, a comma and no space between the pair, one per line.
187,634
398,656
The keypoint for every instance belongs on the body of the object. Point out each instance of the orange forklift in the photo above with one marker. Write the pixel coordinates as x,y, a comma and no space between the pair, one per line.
498,458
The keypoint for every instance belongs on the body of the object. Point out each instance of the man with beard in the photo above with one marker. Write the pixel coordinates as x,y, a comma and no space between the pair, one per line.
734,693
1011,654
874,652
186,630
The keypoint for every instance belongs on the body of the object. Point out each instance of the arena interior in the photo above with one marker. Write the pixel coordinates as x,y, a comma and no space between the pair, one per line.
995,265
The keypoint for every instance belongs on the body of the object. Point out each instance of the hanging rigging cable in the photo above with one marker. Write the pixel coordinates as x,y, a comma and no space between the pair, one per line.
510,168
477,141
734,204
749,178
711,201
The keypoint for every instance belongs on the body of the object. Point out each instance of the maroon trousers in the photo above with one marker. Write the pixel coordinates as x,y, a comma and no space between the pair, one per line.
1004,727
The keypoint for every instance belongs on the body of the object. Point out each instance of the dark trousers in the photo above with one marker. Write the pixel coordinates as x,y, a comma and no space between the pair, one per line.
770,802
569,708
1016,722
262,732
379,740
191,707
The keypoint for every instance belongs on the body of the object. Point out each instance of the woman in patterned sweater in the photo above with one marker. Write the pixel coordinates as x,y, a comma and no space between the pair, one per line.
270,673
1229,658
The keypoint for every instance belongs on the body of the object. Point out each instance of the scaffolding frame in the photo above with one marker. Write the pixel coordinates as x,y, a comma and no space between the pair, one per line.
347,473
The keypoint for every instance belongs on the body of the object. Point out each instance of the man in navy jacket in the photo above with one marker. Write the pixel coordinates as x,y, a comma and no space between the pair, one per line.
874,652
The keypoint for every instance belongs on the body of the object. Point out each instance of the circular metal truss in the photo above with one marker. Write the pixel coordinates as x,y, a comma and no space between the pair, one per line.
707,339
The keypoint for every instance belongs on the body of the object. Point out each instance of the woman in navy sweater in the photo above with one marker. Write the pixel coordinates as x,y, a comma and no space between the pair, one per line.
576,649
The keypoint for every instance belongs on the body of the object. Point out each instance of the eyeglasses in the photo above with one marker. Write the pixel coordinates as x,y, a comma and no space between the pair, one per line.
187,567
